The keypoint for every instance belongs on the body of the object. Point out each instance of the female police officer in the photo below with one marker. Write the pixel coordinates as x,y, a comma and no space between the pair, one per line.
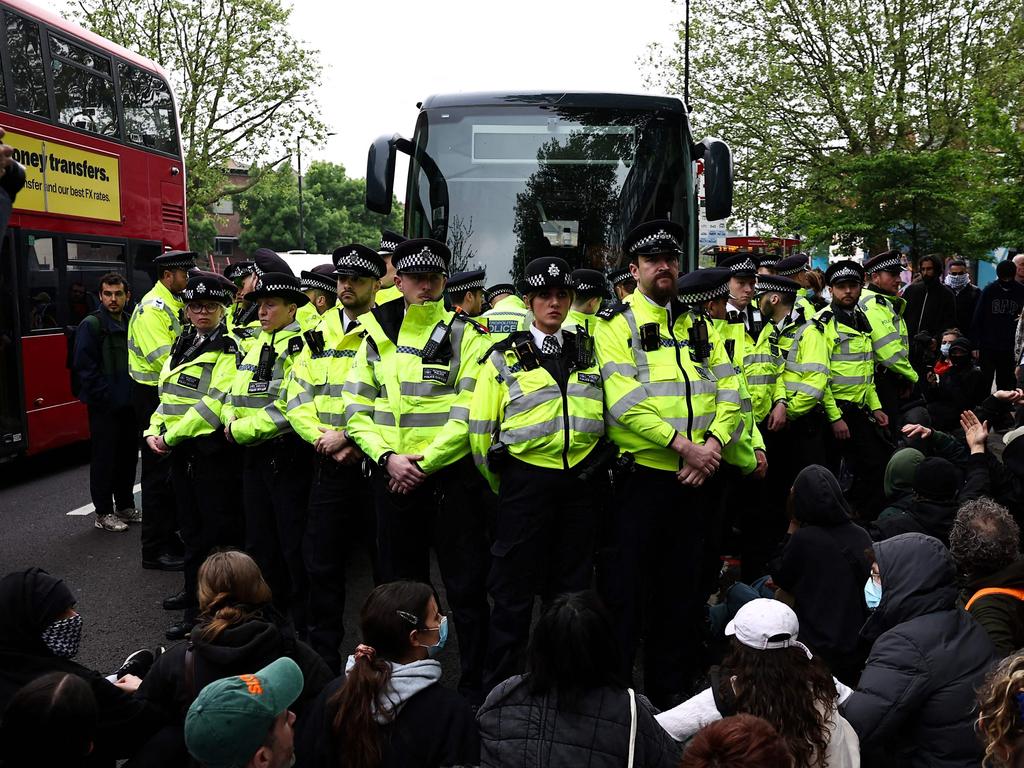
535,421
204,468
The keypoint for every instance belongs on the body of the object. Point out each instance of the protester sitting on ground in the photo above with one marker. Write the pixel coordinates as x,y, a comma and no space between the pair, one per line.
916,693
571,705
1001,714
389,709
769,673
985,547
899,480
238,631
1006,473
823,568
51,722
740,741
245,721
40,633
942,362
958,387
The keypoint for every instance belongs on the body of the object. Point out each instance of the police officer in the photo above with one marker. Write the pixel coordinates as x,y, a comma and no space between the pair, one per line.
672,402
507,314
152,330
623,282
851,402
895,377
340,502
277,464
767,262
244,322
465,291
537,416
319,286
205,470
407,401
589,293
741,294
389,241
794,267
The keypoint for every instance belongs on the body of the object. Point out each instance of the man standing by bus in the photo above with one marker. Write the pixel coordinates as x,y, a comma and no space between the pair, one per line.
100,368
155,324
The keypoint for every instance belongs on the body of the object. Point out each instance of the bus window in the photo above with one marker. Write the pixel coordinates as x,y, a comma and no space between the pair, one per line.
26,63
83,87
148,110
87,263
42,284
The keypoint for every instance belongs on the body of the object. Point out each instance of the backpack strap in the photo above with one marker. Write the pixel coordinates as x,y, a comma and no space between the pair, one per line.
1017,593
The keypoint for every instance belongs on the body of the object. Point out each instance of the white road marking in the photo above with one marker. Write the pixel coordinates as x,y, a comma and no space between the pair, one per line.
88,509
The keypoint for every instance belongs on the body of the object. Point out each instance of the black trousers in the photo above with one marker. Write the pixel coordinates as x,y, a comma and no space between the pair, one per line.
206,473
276,477
543,545
112,459
652,583
340,519
999,363
159,510
866,453
449,511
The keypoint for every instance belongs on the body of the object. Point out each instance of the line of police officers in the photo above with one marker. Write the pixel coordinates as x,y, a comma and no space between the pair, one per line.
526,445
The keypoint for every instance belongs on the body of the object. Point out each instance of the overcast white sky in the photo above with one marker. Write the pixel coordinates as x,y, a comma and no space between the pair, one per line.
381,58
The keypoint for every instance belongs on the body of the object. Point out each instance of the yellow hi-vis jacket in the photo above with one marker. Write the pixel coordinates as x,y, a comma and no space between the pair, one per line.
256,404
307,317
509,316
889,341
193,391
803,302
403,396
244,325
316,386
541,422
152,329
740,450
385,295
575,319
807,369
650,395
851,364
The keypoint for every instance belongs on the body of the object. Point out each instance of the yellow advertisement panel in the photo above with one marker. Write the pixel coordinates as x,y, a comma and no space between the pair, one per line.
69,180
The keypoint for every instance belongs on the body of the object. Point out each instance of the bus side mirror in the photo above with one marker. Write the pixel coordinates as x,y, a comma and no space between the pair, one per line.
380,174
717,178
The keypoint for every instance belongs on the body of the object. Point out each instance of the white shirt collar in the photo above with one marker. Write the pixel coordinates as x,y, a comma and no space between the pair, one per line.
539,336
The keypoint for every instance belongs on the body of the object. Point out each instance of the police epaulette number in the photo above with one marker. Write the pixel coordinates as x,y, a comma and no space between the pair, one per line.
294,345
611,311
230,346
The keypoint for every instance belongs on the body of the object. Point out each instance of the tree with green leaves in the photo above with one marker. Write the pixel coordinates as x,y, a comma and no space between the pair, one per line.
244,85
849,119
334,212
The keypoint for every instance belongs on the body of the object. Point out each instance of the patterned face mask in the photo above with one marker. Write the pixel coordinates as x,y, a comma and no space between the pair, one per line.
63,636
957,281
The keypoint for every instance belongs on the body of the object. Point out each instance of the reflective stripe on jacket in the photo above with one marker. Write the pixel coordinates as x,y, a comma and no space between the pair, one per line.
889,342
154,325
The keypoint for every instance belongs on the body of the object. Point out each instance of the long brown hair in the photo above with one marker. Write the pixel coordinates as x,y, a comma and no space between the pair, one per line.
999,712
389,614
795,694
231,591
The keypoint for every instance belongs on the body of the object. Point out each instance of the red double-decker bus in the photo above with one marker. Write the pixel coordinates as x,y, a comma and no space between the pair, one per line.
96,128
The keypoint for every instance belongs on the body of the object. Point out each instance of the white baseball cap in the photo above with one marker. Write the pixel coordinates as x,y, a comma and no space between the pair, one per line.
766,624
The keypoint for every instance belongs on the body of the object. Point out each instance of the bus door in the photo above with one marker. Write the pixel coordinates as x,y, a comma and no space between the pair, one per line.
13,428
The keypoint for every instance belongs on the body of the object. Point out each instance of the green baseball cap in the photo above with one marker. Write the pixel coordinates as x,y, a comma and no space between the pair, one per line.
231,717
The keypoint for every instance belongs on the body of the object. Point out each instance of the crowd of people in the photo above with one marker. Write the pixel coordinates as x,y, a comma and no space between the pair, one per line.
774,497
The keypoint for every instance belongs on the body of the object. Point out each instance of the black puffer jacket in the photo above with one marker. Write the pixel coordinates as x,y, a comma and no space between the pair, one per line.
916,697
519,729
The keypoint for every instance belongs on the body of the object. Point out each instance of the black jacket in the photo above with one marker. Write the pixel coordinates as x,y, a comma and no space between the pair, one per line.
916,697
931,307
958,389
994,326
101,361
433,729
964,303
824,567
1002,616
522,730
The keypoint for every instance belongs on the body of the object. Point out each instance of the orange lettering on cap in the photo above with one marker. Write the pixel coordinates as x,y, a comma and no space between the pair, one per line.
253,684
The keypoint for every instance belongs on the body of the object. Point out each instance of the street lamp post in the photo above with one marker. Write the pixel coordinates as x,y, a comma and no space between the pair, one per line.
302,234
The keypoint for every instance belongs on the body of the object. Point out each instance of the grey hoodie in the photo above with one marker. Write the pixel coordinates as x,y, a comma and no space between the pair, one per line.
406,681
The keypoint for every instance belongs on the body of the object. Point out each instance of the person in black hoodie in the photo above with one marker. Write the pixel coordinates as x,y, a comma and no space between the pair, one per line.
958,388
995,325
238,633
389,709
824,569
915,698
39,634
984,544
931,306
56,703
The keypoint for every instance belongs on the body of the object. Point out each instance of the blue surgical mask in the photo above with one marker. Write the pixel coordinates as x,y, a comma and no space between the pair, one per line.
442,638
944,349
872,593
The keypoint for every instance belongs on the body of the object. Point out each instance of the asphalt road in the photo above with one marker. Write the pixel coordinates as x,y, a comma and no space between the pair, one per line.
119,601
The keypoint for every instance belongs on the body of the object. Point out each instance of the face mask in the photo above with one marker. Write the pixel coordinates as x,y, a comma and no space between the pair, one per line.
811,293
944,349
442,638
62,637
872,593
957,281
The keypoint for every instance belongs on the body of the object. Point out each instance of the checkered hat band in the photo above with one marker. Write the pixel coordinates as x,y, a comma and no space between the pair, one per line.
216,294
844,273
587,287
177,264
321,283
259,272
702,296
893,263
766,286
238,270
768,261
620,278
788,272
462,287
545,280
356,262
425,260
388,245
747,265
272,288
660,238
498,290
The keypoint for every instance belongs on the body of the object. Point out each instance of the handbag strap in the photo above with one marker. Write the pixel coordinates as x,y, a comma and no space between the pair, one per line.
632,727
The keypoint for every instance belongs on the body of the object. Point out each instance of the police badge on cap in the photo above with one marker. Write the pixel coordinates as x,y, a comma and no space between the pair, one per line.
844,271
421,255
658,236
547,272
207,286
239,269
357,260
